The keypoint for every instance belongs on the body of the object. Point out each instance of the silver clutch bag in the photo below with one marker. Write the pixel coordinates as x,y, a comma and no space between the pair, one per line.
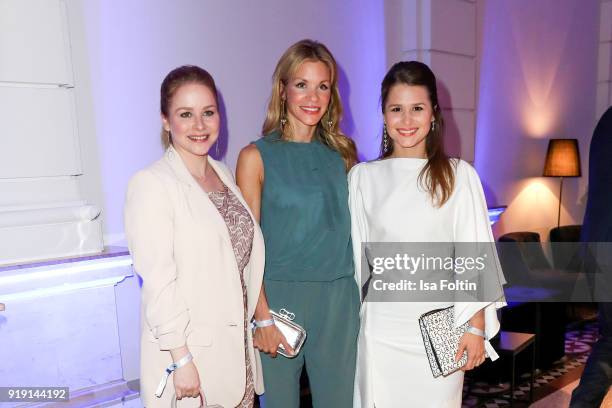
441,340
293,332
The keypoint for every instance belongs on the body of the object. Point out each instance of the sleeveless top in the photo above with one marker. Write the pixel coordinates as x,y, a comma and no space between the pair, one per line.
305,218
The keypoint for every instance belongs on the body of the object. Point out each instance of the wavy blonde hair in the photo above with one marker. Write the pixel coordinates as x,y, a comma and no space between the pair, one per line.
331,136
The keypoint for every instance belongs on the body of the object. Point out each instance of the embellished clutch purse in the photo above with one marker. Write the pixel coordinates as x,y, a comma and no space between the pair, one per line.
441,339
293,332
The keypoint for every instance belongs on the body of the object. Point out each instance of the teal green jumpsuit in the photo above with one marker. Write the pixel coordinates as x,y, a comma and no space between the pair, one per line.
309,270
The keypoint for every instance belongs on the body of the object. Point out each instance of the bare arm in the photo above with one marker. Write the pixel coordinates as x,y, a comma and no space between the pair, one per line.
250,179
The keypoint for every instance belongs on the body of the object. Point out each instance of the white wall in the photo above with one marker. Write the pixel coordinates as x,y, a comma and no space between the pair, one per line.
124,49
537,81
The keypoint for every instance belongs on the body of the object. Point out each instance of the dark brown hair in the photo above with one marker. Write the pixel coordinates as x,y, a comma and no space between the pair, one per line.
185,74
438,175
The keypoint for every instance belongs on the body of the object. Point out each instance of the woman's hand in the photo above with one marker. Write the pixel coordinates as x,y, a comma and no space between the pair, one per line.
267,340
474,345
187,381
186,378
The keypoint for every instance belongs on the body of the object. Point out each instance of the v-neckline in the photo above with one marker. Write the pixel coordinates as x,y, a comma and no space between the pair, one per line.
224,191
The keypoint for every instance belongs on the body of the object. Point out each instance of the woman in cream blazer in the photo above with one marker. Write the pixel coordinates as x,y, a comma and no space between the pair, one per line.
192,293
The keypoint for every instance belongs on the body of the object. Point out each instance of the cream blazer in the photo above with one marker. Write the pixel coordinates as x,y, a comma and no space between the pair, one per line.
191,290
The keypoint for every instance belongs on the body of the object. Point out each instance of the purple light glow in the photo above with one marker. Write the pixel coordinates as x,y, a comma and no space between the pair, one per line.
537,71
127,54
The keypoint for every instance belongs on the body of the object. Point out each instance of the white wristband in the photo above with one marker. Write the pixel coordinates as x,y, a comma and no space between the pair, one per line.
475,331
169,370
263,323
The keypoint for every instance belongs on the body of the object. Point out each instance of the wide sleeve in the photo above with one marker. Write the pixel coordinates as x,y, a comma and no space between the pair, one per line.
358,223
149,229
471,226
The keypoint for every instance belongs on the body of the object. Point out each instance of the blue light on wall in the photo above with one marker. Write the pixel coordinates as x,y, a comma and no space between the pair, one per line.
495,213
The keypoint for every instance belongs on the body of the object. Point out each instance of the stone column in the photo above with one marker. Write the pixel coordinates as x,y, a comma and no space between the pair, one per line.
42,212
442,34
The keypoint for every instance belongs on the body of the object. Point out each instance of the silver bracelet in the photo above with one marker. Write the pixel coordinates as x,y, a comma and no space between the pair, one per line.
263,323
169,370
475,331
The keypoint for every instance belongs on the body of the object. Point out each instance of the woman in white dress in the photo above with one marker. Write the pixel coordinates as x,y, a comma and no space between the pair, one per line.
415,193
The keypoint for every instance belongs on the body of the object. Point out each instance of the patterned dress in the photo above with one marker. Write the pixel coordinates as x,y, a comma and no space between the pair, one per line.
241,231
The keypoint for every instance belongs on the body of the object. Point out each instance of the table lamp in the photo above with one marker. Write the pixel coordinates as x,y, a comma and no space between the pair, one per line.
562,160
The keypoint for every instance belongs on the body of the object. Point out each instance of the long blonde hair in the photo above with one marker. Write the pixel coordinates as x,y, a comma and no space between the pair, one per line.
332,136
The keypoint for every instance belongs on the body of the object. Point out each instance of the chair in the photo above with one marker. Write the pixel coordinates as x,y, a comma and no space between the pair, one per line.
566,233
533,255
526,264
567,252
565,248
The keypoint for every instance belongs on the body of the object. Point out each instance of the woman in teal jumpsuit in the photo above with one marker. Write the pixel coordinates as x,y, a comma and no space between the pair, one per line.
294,178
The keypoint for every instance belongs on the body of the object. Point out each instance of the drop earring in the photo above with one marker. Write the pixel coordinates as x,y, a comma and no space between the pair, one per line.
283,119
385,139
330,122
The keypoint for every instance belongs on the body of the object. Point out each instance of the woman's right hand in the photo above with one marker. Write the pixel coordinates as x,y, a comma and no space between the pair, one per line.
187,381
267,340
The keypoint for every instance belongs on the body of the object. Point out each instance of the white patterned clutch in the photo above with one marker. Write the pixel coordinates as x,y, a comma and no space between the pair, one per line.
441,340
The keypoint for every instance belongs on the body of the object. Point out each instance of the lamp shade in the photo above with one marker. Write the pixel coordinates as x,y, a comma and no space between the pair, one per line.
562,158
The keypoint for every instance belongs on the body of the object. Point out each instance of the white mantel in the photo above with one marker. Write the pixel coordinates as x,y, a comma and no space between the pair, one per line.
73,322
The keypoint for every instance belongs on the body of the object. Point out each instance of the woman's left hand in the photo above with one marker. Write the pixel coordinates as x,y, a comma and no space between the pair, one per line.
474,345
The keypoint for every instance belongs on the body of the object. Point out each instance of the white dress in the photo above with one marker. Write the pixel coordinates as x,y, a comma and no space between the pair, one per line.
387,205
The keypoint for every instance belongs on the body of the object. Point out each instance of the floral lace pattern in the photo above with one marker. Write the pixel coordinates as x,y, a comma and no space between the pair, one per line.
241,230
